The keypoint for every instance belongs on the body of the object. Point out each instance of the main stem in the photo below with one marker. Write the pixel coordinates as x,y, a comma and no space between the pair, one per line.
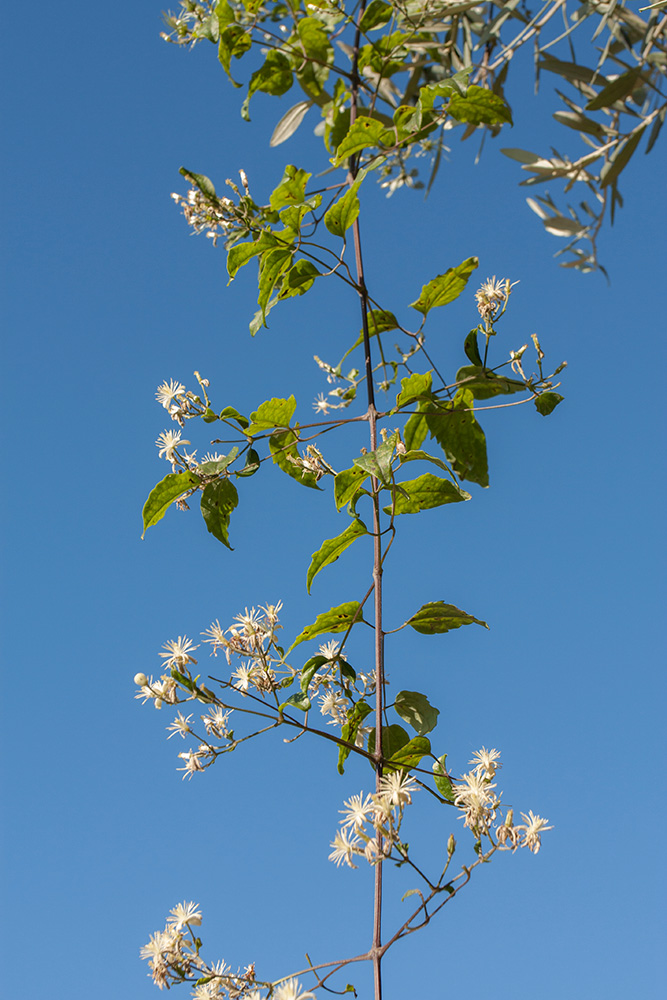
376,948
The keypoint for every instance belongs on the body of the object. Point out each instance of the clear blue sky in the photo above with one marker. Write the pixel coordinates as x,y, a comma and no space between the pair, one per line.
106,295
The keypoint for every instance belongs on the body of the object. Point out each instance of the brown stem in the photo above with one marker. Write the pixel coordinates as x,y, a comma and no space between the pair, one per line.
376,948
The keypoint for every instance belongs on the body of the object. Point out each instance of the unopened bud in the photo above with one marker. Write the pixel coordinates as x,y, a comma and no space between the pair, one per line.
509,821
140,680
451,845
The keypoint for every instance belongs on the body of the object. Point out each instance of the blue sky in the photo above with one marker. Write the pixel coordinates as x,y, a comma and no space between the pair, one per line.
106,295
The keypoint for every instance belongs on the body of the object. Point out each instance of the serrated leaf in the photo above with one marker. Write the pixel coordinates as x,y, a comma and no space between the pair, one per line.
415,709
337,619
414,387
343,212
485,384
332,548
273,77
218,500
241,253
441,779
364,133
274,412
616,90
480,107
547,402
446,287
290,122
346,484
350,729
437,617
163,495
424,493
201,181
461,438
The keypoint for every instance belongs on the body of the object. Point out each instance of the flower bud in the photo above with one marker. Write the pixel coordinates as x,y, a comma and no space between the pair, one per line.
451,845
140,680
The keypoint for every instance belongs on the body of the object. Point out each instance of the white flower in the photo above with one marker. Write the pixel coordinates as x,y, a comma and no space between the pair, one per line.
178,652
291,990
192,763
330,649
168,392
493,295
216,636
244,676
485,760
182,914
356,811
335,705
216,721
321,404
535,825
473,796
397,787
179,725
168,442
344,846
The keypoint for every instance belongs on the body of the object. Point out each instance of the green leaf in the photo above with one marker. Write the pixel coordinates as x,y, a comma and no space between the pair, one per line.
215,468
438,617
299,279
378,462
415,709
471,348
164,493
251,464
338,619
415,431
299,700
201,181
376,14
480,107
617,90
240,254
312,71
343,212
273,265
289,122
409,755
332,548
282,445
292,188
441,779
274,77
234,42
309,668
217,503
231,412
350,729
394,738
346,484
272,413
364,133
461,438
424,493
483,384
379,321
620,158
547,402
424,456
446,287
414,387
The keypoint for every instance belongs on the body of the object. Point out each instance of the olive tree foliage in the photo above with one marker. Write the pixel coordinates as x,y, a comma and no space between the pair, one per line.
386,83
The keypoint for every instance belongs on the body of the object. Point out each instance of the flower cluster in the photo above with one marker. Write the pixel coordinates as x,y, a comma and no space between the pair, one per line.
173,956
206,214
371,824
492,298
